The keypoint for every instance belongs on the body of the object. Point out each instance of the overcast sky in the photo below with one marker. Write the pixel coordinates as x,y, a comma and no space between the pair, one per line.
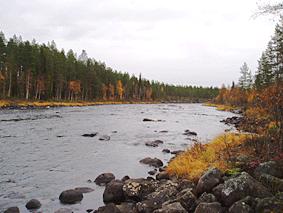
196,42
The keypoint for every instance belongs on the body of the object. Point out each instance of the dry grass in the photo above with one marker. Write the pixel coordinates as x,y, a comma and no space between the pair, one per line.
24,103
199,158
221,107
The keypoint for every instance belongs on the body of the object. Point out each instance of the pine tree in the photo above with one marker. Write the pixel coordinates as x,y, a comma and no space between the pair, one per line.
245,81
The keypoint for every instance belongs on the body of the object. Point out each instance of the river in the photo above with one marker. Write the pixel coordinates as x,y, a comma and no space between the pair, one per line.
43,152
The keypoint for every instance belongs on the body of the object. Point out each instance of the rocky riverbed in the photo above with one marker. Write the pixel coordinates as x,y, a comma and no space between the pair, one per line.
63,148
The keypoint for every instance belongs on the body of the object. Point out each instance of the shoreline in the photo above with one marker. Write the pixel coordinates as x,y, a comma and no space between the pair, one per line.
23,104
18,104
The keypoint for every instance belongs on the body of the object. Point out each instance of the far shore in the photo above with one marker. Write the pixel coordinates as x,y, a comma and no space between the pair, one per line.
51,103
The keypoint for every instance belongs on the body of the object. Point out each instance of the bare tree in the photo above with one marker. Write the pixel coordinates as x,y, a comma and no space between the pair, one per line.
269,9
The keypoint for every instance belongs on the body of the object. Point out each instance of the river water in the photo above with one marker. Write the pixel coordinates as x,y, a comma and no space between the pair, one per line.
43,152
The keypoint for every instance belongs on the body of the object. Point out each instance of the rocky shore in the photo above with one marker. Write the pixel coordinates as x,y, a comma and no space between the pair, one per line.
260,190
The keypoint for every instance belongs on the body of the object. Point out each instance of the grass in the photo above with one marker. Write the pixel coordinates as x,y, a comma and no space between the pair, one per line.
221,107
25,103
195,161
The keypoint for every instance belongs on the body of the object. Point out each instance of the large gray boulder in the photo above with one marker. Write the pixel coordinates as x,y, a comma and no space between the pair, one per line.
113,192
270,204
273,183
70,196
155,162
239,187
109,208
240,207
13,209
104,178
138,189
211,178
33,204
271,168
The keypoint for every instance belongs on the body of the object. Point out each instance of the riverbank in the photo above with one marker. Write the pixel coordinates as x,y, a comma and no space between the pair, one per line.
46,104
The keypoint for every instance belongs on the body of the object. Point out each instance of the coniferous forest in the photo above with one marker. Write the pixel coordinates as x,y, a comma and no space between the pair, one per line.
33,71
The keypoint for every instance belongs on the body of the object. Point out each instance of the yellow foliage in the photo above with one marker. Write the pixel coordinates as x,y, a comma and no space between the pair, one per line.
199,158
7,103
221,107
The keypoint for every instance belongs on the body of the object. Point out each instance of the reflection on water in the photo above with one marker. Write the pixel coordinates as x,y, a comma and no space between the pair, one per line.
43,152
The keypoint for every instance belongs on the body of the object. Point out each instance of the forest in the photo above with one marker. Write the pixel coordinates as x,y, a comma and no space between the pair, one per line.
261,96
33,71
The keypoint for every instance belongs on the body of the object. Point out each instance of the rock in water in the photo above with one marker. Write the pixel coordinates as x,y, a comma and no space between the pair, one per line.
166,150
70,196
155,162
147,120
90,135
104,138
13,209
104,178
33,204
154,143
113,192
188,132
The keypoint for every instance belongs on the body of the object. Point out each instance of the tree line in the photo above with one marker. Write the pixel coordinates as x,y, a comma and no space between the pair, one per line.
261,95
29,70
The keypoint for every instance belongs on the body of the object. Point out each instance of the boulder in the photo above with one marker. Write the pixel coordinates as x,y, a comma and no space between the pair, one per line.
240,207
33,204
152,172
206,198
13,209
155,162
239,187
113,192
185,184
270,168
70,196
104,138
163,193
177,152
214,207
154,143
138,189
166,150
188,132
109,208
273,183
171,208
127,207
211,178
125,178
162,175
270,204
148,120
84,189
90,134
104,178
64,210
187,199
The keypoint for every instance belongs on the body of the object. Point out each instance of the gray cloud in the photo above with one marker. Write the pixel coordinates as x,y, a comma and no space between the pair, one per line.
182,42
